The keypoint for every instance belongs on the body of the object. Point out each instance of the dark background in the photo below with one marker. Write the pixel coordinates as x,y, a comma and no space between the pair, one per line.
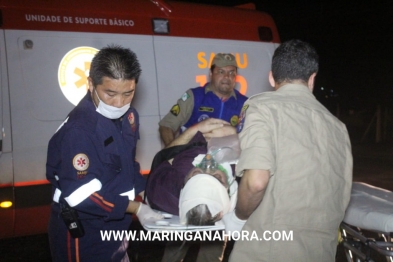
354,40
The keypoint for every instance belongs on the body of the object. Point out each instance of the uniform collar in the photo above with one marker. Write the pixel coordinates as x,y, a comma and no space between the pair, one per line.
209,89
294,87
298,90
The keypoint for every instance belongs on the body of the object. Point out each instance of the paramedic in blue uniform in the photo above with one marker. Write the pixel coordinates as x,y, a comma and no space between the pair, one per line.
217,99
91,163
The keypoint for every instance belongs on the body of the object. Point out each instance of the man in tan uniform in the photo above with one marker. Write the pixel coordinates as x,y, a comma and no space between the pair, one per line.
296,167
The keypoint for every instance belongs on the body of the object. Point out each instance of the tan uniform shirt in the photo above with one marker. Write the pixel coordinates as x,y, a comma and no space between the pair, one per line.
308,153
180,112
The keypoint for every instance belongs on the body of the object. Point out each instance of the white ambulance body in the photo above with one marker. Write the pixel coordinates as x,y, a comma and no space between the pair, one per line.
45,53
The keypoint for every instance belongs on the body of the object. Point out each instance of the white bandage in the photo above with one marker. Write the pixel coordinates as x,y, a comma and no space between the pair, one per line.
203,189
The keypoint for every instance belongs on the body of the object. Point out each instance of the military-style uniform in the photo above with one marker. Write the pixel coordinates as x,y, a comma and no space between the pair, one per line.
94,159
308,153
198,104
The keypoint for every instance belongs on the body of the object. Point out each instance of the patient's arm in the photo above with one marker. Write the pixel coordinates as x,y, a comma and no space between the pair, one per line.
205,127
225,130
185,137
167,135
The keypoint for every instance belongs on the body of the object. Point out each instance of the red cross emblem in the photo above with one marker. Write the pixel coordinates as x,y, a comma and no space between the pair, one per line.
80,162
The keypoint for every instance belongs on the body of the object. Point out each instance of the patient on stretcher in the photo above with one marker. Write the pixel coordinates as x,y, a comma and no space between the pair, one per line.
199,194
210,191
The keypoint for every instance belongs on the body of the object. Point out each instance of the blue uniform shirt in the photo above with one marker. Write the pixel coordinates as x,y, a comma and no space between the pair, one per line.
94,158
208,105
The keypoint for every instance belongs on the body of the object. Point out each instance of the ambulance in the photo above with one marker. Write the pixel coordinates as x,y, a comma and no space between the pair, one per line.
46,47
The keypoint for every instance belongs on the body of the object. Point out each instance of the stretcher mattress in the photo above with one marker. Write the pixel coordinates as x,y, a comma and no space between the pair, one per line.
370,208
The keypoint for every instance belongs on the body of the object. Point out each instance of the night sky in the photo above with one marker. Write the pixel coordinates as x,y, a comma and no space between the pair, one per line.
354,41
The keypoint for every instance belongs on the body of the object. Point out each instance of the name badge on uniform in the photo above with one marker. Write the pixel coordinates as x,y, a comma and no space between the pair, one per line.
206,109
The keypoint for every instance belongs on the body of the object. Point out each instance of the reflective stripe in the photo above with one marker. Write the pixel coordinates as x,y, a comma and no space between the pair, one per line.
56,196
83,192
130,194
62,124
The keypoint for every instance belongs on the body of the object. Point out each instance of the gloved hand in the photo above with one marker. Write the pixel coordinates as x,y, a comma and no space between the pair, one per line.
232,222
145,213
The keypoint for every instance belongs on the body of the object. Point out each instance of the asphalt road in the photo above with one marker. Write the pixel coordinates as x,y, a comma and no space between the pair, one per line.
373,164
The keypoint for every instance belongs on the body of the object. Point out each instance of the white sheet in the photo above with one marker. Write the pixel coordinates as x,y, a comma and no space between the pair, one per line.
172,223
370,208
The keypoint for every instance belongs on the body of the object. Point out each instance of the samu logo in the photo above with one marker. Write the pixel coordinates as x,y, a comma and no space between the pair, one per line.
73,72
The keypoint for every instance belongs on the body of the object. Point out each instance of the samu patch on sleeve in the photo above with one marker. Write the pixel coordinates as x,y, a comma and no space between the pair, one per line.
175,110
131,119
81,163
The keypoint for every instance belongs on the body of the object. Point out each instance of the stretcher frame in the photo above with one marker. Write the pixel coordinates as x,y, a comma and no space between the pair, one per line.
358,246
367,227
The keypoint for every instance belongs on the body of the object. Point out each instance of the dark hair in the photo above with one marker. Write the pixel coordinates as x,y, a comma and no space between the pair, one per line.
114,62
200,216
294,60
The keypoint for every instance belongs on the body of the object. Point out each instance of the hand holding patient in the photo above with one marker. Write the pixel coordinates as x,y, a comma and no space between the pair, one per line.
232,222
145,213
210,124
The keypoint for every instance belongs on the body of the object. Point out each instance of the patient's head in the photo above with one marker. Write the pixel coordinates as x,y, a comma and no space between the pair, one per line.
201,216
205,197
203,200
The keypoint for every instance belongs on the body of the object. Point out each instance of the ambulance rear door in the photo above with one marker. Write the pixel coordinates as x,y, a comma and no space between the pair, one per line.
6,161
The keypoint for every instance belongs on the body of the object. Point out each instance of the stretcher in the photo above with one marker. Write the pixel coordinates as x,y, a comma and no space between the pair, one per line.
368,224
172,223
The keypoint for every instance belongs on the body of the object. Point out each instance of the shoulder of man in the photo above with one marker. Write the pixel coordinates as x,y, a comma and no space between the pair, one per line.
134,111
185,101
262,96
239,95
189,93
197,90
82,117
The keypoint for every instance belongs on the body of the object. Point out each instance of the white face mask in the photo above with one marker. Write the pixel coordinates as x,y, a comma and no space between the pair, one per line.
111,112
